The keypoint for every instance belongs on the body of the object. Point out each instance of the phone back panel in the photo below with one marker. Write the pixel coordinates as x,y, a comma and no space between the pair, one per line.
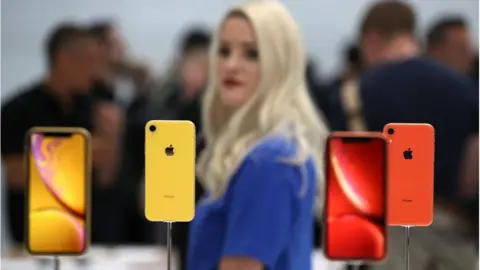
170,171
410,174
58,191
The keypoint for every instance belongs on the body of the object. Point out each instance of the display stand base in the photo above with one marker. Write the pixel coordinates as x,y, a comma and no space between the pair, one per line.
355,265
56,263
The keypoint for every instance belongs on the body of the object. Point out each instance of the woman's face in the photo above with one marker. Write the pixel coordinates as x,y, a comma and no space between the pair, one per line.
238,64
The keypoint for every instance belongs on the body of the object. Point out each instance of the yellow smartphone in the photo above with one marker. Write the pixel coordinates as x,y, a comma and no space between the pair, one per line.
169,171
58,162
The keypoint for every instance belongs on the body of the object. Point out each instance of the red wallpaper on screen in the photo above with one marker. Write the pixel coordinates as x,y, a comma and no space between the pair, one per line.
355,207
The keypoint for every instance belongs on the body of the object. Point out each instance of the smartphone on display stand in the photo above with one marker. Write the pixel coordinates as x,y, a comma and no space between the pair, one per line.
58,191
169,171
411,169
356,203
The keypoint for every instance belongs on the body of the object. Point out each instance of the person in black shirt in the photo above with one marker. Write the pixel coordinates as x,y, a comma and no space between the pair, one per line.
61,100
402,87
135,228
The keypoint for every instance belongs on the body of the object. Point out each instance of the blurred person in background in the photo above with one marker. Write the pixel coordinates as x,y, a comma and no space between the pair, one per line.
182,92
263,162
394,91
469,174
111,54
60,100
393,41
402,87
103,92
177,96
449,42
315,85
115,64
329,101
474,71
312,74
341,98
352,65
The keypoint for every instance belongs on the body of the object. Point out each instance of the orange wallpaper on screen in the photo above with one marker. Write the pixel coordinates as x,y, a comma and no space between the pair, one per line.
356,207
57,194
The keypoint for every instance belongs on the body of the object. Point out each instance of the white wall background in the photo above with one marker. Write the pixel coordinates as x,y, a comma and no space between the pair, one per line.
151,27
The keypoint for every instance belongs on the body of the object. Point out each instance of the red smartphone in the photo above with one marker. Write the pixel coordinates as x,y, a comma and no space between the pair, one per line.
410,168
356,205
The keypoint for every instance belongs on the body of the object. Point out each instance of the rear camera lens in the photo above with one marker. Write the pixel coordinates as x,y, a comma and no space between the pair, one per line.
152,128
391,131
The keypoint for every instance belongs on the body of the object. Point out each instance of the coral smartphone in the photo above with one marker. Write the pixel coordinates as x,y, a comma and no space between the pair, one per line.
410,174
58,193
355,207
169,171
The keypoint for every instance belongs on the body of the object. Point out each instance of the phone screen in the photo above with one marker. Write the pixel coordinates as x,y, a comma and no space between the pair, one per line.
356,199
57,193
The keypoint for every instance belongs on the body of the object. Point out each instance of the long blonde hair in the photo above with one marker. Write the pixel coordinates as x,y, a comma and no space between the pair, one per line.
281,99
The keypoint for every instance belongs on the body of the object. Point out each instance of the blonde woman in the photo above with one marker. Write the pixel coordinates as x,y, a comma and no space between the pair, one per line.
265,142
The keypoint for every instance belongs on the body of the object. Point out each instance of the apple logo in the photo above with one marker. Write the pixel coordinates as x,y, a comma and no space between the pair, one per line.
408,154
169,151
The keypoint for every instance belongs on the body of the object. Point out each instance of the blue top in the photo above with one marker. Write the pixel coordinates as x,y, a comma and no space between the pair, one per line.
266,214
423,91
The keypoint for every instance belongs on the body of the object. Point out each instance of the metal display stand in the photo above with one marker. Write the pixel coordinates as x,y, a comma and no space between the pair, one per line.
56,263
169,245
357,265
407,247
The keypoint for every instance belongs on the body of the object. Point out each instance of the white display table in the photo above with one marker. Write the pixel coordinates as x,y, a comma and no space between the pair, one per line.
118,258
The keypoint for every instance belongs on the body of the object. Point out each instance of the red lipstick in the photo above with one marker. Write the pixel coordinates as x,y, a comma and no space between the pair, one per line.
230,83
